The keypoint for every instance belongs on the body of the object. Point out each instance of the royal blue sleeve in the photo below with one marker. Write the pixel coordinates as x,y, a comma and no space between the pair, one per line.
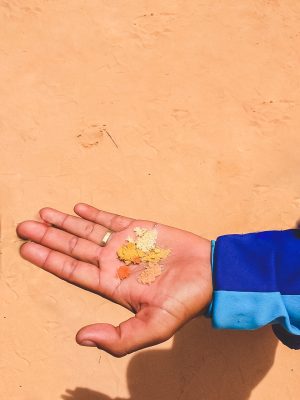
256,280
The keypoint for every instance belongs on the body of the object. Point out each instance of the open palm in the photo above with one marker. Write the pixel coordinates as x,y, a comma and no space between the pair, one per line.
70,249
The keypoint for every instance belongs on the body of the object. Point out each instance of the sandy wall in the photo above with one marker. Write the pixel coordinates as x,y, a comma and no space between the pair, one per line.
184,112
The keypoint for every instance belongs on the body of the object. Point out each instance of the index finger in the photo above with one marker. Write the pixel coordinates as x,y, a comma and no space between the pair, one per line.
75,225
111,221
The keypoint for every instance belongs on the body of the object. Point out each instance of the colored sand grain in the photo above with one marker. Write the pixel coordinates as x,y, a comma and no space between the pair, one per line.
123,272
155,255
142,250
148,275
146,239
129,253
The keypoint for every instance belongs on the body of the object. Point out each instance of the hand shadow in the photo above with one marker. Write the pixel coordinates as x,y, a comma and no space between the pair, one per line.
203,364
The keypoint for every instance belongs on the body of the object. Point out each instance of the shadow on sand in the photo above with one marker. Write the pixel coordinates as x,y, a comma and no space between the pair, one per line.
203,364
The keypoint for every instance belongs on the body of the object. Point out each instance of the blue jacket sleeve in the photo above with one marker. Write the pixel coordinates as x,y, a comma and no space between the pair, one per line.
256,279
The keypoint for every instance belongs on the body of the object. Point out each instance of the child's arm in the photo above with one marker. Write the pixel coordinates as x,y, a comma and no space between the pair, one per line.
256,278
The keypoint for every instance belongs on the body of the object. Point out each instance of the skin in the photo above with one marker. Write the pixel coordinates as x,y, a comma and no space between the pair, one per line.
68,247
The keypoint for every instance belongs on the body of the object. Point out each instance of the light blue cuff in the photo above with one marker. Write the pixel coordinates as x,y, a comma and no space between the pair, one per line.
252,310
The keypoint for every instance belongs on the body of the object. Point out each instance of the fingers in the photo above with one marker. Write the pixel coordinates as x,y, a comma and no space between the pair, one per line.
65,267
75,225
61,241
148,327
111,221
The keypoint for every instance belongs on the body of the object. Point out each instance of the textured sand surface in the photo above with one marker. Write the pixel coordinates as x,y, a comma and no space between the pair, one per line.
183,112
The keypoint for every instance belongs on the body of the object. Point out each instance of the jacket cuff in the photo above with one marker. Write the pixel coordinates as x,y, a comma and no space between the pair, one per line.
256,282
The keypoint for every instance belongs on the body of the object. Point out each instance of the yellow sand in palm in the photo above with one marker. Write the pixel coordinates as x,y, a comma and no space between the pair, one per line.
155,255
129,253
143,250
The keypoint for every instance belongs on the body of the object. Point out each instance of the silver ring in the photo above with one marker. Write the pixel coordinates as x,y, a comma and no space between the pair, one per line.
105,238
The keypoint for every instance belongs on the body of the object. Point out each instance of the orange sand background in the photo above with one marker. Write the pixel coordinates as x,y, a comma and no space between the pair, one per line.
202,100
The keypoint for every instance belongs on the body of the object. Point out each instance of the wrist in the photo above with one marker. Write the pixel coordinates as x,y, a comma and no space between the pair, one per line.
208,310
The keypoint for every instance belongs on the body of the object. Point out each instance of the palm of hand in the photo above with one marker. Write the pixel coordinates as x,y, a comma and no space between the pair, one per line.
71,252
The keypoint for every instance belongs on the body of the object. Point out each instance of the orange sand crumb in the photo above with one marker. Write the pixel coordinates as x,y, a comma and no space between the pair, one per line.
123,272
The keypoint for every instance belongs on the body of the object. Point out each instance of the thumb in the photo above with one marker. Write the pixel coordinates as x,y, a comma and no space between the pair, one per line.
148,327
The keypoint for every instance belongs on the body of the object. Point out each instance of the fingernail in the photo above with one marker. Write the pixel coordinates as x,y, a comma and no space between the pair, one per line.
88,343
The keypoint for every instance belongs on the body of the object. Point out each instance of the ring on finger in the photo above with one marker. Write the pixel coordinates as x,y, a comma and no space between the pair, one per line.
105,238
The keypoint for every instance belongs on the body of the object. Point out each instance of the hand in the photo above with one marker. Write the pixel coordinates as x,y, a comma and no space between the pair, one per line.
68,247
